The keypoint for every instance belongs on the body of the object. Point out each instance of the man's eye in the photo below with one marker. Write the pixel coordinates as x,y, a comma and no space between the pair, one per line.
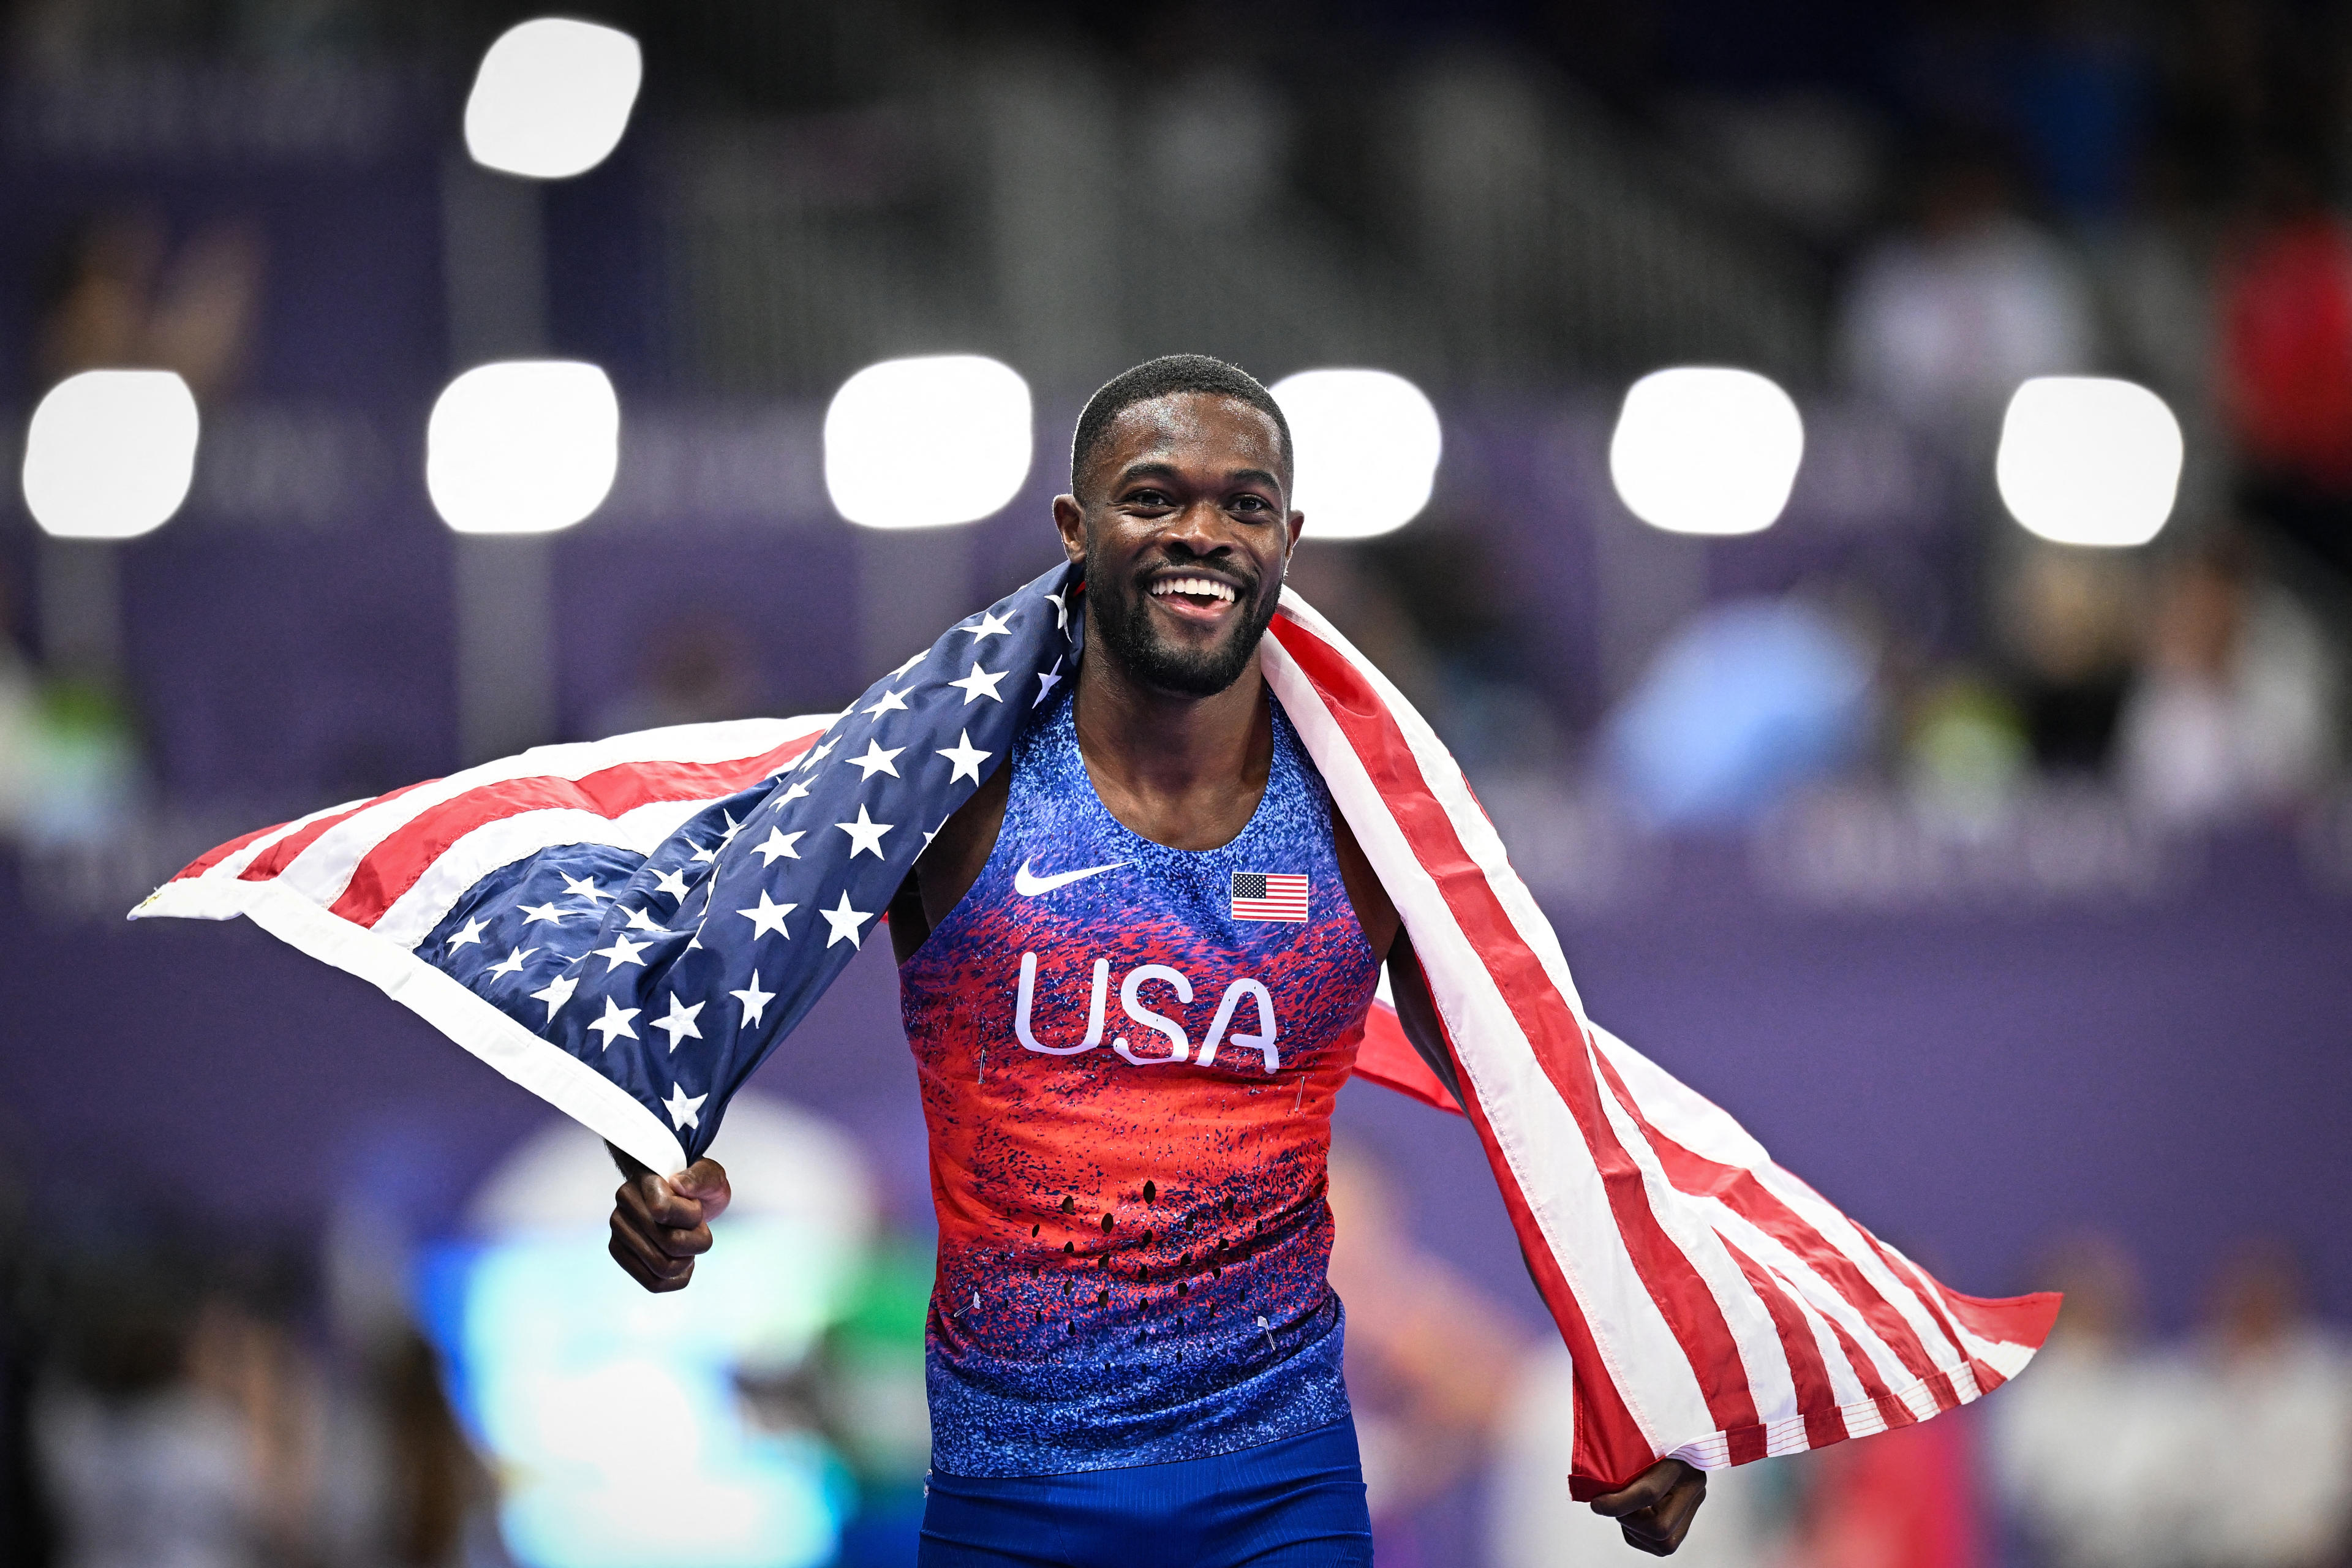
1147,498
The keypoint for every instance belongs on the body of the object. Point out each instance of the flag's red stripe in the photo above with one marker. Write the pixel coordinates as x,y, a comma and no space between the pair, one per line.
1891,1409
1681,1294
274,860
1386,1057
1816,1395
214,856
393,866
1754,1202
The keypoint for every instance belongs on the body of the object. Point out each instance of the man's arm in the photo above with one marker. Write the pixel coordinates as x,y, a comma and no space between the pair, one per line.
1657,1509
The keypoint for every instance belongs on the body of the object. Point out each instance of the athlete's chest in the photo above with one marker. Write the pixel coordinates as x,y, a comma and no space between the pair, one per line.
1081,937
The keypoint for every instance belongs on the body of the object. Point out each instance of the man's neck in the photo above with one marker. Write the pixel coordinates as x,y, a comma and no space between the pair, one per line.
1183,770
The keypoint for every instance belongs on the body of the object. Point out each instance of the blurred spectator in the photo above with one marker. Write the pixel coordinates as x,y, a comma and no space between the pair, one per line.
119,295
1967,753
19,723
1903,1499
1431,1359
1532,1522
2068,618
2272,1447
180,1438
2087,1445
1749,701
2232,710
1944,321
2286,360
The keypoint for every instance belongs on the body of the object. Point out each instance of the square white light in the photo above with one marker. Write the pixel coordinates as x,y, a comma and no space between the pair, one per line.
918,443
1707,450
523,446
552,98
2089,460
109,453
1366,446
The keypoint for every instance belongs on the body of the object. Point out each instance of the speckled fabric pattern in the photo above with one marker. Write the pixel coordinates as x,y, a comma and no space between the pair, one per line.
1129,1094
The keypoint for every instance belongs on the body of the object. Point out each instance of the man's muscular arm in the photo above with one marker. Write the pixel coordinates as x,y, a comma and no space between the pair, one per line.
1657,1509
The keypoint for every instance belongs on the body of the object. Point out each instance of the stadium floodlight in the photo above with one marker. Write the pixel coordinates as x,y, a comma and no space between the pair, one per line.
2089,460
921,443
523,446
109,453
552,96
1707,449
1367,443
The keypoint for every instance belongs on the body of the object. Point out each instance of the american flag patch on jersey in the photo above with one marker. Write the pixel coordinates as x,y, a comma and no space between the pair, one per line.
1268,895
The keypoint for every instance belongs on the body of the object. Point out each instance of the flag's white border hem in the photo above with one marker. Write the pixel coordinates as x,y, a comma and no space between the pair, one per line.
549,1071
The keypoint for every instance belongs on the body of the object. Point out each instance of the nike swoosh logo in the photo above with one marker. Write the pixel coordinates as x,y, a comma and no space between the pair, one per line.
1029,887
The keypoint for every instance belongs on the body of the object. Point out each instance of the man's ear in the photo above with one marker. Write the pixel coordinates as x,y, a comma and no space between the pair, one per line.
1070,521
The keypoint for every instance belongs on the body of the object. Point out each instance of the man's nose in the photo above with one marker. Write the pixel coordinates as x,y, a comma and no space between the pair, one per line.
1202,529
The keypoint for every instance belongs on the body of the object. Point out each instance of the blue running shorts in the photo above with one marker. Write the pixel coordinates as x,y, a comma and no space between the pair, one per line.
1297,1502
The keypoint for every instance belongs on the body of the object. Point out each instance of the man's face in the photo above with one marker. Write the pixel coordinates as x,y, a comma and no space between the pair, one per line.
1184,530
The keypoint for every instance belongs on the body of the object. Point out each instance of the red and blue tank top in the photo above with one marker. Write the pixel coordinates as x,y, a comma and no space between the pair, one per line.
1128,1056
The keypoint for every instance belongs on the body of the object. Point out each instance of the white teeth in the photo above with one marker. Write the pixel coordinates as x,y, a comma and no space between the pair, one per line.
1205,586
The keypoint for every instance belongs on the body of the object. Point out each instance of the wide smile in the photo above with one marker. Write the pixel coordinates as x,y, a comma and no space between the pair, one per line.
1194,598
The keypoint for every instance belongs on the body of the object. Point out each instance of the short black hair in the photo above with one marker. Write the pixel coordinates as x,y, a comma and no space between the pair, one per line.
1161,377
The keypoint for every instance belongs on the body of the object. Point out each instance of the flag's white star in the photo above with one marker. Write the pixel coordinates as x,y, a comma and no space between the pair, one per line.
682,1107
888,700
512,962
865,836
1046,680
966,757
934,833
640,921
733,827
471,935
615,1022
979,684
910,663
845,922
792,794
778,846
622,951
876,760
582,887
818,753
673,883
755,1001
556,993
1061,612
679,1025
768,917
990,626
547,911
710,853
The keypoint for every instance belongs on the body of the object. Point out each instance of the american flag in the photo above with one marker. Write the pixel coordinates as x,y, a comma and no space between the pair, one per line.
627,927
1268,895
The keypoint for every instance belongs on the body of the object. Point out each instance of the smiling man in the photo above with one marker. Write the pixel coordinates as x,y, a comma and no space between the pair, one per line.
1159,840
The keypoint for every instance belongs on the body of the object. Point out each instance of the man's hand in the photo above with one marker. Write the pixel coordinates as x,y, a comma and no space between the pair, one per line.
662,1223
1656,1510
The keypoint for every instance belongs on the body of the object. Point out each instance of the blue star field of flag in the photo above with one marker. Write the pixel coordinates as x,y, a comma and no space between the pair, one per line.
674,973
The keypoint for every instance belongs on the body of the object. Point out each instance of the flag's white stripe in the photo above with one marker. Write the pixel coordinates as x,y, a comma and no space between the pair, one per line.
1769,1382
1539,1137
324,869
412,916
556,1076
